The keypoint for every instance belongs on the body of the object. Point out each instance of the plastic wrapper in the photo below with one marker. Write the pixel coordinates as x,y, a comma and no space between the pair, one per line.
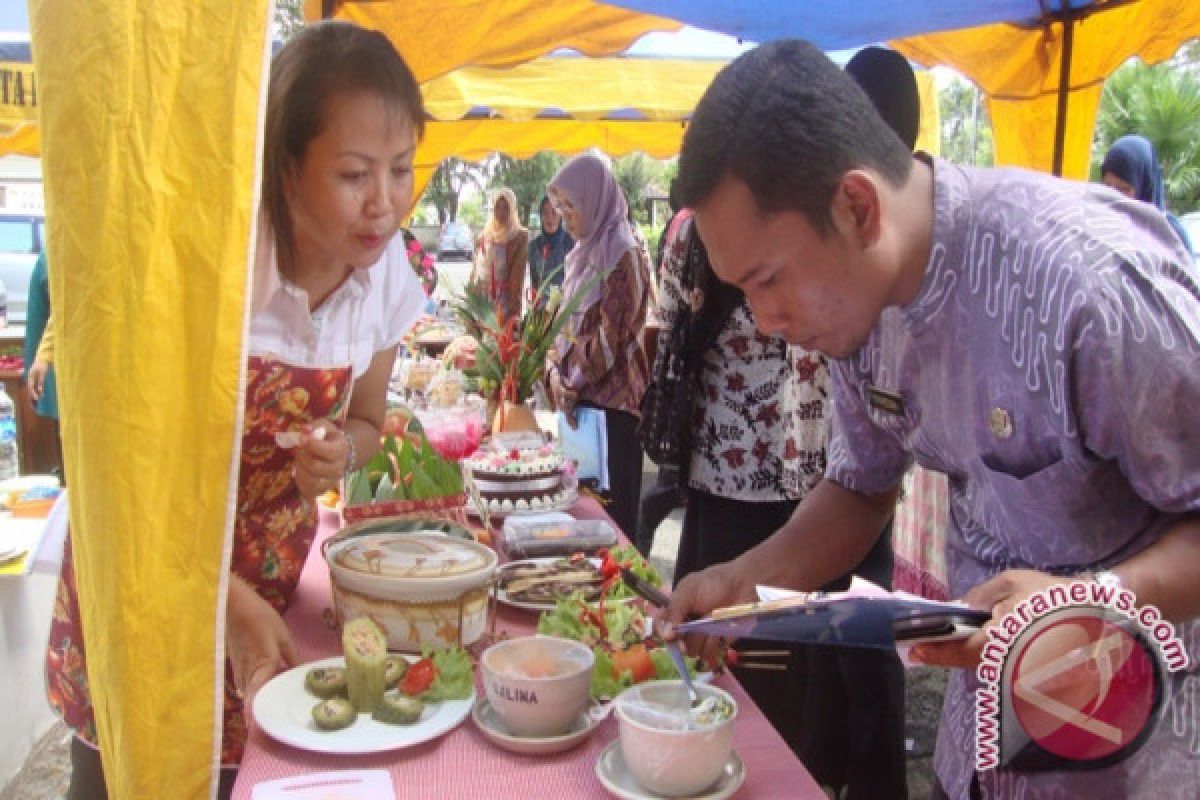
555,535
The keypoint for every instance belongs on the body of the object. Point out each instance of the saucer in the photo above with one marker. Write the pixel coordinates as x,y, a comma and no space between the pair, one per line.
612,772
490,726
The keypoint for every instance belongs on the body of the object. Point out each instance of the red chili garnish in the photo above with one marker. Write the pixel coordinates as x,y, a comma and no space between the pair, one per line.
596,618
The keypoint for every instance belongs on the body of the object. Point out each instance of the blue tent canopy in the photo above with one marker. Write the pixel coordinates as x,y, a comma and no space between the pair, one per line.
841,24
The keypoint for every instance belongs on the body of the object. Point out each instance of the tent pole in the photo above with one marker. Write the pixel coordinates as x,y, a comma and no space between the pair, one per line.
1064,87
327,8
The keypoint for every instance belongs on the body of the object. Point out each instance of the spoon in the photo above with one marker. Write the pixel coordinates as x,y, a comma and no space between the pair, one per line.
656,598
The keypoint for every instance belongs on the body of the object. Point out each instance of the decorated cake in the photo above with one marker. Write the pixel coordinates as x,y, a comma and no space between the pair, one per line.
527,479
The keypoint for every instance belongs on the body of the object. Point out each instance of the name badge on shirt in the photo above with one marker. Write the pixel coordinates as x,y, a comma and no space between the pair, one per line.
885,401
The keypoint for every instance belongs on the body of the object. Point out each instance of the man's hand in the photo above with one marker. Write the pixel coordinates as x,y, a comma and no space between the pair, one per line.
699,593
319,461
257,642
36,381
1000,595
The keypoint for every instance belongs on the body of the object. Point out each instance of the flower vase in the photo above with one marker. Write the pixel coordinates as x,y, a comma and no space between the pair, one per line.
511,417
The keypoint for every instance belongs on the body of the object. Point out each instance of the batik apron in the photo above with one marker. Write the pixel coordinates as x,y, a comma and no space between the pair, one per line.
273,531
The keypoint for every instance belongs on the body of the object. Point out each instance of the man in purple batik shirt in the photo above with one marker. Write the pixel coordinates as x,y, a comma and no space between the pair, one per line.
1035,339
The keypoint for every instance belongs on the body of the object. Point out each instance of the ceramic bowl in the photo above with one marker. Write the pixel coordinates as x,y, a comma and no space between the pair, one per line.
421,588
666,760
537,685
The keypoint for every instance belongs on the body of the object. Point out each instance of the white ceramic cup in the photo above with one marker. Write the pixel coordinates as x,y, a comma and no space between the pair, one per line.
671,762
538,685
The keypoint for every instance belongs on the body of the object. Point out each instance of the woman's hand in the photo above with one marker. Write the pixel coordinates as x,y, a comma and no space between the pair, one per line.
36,381
257,642
1000,595
320,459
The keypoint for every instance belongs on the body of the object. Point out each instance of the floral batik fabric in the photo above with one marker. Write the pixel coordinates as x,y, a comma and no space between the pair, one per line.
759,426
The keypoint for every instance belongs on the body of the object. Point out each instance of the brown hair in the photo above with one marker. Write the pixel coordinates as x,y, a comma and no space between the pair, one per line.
317,63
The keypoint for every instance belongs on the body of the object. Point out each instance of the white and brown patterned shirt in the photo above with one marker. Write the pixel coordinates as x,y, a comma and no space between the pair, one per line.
760,428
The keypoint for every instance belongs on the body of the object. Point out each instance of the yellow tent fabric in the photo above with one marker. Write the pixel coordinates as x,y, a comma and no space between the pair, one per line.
24,140
557,87
584,88
438,36
1018,69
150,206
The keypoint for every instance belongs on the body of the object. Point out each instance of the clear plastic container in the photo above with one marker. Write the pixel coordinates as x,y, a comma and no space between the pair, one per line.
455,432
555,535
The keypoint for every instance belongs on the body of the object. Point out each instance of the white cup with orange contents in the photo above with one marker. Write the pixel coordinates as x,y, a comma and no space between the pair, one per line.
538,685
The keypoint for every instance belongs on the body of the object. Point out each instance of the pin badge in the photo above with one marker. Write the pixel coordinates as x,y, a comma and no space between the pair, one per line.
885,401
1000,421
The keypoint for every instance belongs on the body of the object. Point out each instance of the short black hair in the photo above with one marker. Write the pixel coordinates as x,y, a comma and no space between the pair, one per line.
784,119
891,86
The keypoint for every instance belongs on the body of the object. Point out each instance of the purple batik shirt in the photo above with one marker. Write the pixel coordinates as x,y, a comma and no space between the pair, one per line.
1050,366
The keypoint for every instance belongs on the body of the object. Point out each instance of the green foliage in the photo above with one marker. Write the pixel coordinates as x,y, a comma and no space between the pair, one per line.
527,178
446,187
966,134
511,358
1162,103
289,17
634,173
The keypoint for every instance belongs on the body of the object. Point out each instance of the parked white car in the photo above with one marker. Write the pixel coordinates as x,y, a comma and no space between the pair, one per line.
21,237
456,241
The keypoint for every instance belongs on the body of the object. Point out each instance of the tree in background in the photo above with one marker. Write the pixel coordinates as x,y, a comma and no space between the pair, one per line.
634,173
1162,103
448,183
966,135
289,17
527,178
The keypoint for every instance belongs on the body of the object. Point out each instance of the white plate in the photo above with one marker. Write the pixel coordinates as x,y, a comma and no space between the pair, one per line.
489,724
612,772
283,709
502,595
566,504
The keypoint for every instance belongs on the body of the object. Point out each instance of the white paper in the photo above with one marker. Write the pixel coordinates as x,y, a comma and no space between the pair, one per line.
363,784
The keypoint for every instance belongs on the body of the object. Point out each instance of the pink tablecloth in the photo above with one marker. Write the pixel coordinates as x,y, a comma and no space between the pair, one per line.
462,764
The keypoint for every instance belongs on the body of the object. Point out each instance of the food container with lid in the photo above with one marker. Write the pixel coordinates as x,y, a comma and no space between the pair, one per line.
555,534
422,586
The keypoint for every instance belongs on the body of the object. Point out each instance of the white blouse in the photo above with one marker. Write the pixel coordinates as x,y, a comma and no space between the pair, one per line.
368,313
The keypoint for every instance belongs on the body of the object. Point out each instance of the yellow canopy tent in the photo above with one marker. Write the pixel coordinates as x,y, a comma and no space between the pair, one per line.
438,36
631,104
1021,69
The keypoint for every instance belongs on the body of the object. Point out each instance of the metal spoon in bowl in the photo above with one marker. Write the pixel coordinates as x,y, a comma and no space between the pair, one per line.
657,599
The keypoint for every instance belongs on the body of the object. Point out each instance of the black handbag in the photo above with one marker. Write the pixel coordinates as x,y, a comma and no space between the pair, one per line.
665,428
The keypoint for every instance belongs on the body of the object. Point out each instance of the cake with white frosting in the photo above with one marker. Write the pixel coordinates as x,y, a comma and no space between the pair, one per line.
526,479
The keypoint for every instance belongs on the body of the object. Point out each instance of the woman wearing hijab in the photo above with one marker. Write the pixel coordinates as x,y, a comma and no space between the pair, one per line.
500,254
549,249
1131,167
599,360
